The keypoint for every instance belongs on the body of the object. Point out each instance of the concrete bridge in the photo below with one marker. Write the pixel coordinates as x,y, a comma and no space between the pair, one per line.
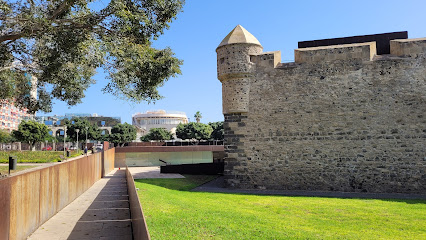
57,129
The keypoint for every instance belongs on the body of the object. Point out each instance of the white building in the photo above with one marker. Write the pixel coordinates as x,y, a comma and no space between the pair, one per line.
157,119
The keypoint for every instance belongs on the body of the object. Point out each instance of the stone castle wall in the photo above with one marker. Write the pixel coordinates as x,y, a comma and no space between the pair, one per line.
339,118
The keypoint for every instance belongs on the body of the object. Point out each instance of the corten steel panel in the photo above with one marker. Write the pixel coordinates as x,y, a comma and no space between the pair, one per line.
89,171
96,166
72,183
382,41
109,160
90,174
80,178
4,208
54,187
44,194
139,227
15,194
63,180
120,159
212,148
25,205
100,164
32,198
84,166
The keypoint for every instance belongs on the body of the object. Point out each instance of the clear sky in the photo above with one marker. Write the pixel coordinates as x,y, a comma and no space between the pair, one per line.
277,24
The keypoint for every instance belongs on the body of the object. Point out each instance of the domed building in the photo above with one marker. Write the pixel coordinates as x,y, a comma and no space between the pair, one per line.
157,119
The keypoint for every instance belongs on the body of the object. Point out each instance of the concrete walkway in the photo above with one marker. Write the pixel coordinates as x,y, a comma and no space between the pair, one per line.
102,212
217,185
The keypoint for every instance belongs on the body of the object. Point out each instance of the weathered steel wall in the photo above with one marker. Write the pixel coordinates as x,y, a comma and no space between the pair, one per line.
29,199
109,159
120,159
140,229
4,207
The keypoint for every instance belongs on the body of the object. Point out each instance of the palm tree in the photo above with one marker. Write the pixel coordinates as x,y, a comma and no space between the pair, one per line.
198,116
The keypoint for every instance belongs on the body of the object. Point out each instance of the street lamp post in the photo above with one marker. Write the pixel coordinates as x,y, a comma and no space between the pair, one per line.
77,130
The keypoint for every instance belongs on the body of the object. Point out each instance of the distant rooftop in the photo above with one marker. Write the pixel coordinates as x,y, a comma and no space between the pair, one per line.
382,41
157,112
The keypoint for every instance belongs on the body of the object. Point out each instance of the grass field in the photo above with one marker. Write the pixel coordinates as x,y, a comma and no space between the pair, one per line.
173,212
5,169
34,156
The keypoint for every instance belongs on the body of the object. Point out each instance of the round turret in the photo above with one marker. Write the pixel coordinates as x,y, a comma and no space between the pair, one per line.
234,68
233,53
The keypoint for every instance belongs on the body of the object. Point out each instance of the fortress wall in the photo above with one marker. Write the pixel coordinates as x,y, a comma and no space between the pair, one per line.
363,51
408,47
337,121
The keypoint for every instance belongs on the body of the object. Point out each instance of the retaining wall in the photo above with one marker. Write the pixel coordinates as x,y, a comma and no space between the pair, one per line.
29,199
109,159
149,155
140,229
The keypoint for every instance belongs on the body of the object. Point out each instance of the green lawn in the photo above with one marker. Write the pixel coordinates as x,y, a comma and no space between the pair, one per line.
173,212
34,156
5,169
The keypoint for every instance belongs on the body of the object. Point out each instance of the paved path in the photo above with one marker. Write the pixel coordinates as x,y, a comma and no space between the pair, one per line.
102,212
217,185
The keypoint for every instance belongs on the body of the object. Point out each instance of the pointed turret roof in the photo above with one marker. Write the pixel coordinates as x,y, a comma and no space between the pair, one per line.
239,35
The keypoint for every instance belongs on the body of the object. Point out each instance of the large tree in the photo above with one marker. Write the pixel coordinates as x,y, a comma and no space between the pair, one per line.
5,137
122,133
199,131
218,132
158,134
198,116
31,132
62,42
93,131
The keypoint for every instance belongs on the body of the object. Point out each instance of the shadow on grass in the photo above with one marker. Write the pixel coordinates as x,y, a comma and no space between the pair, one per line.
214,183
181,184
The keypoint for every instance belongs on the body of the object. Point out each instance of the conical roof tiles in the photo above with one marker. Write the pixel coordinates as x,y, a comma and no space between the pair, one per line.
239,35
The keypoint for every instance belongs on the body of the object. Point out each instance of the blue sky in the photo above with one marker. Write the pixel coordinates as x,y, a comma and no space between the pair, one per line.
277,24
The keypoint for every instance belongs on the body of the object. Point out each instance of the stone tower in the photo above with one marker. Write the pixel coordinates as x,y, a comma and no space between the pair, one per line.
235,68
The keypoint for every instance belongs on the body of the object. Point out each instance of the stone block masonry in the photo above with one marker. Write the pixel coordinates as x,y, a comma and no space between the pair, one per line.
340,118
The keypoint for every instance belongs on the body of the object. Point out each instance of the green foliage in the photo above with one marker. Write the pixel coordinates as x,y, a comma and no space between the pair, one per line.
93,132
31,132
5,137
218,132
35,156
122,133
173,212
158,134
198,116
51,139
109,121
199,131
62,43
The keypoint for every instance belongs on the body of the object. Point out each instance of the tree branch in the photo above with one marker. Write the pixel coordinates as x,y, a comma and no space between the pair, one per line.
61,8
11,37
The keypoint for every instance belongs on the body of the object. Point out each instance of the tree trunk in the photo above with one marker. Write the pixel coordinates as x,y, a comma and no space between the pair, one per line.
32,147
